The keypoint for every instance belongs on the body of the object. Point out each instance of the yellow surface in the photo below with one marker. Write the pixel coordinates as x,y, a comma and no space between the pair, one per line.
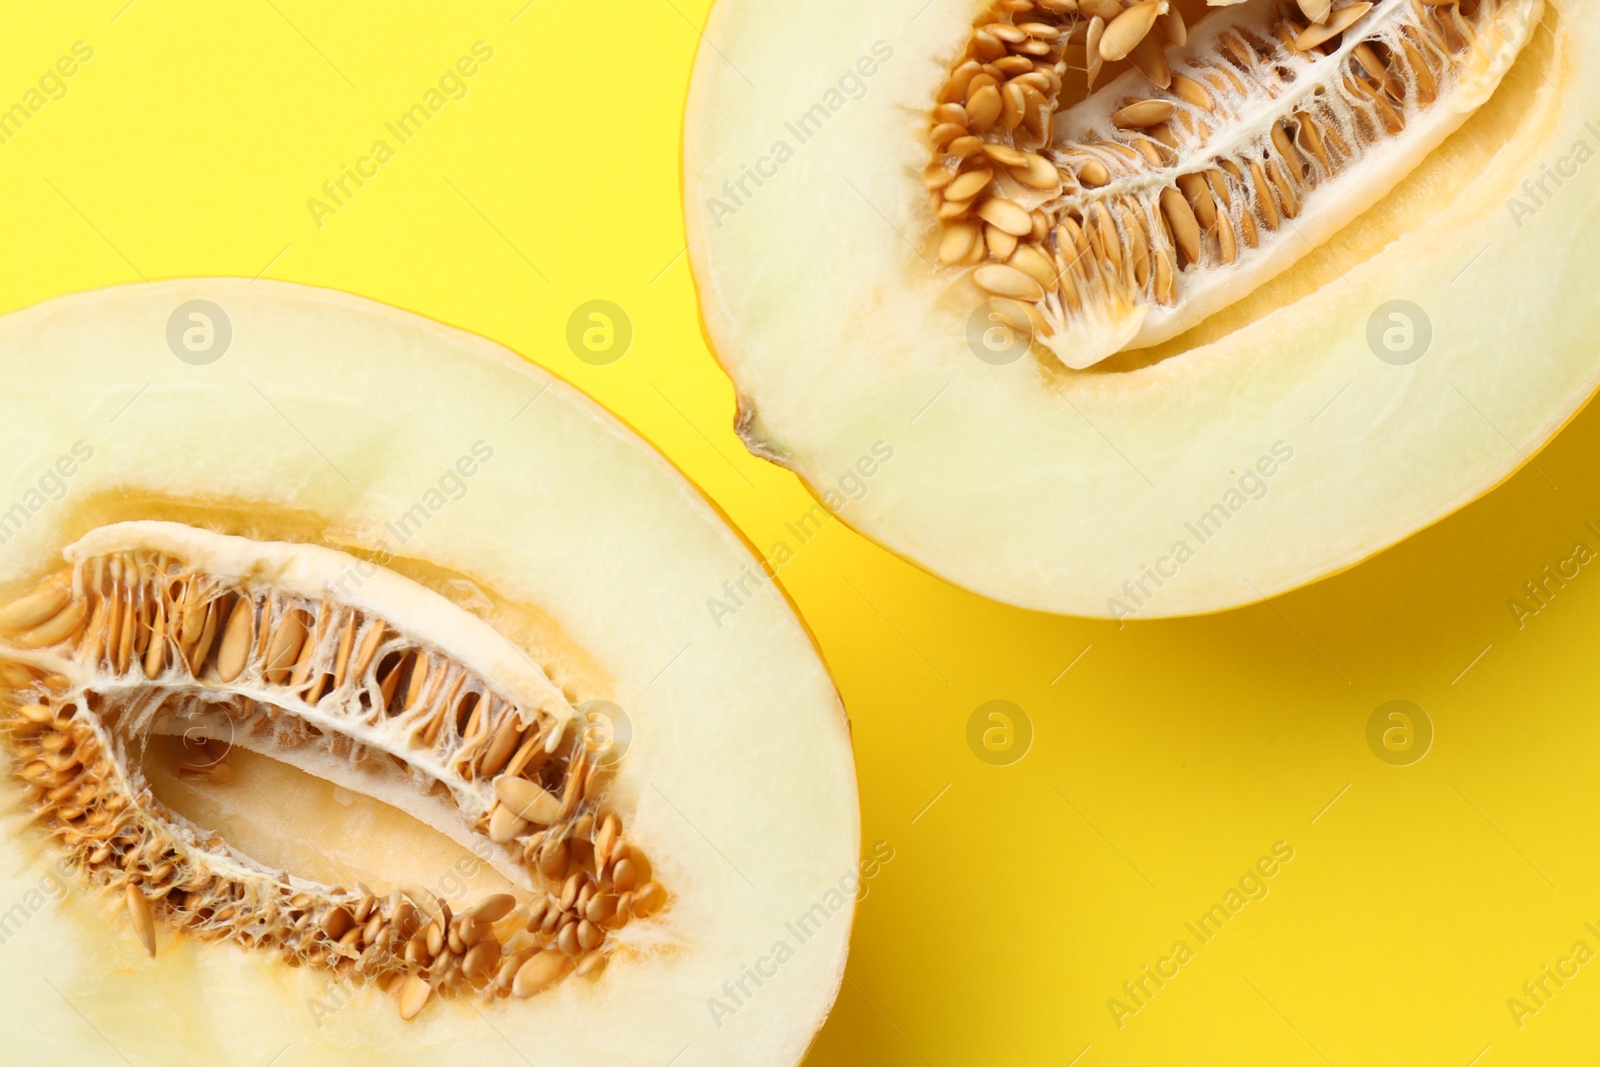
1167,756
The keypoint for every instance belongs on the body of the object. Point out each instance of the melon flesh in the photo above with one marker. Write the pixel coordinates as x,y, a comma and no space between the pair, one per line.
1264,448
574,563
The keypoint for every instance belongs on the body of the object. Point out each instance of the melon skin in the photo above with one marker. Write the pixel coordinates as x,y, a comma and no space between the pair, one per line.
328,418
1076,493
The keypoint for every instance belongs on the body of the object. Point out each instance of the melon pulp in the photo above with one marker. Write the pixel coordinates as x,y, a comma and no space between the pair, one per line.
1398,347
362,619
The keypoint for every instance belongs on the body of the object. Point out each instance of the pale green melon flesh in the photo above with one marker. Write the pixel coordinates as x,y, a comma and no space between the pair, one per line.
1083,493
329,418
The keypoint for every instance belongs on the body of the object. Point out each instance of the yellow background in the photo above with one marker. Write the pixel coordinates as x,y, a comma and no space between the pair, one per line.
1165,761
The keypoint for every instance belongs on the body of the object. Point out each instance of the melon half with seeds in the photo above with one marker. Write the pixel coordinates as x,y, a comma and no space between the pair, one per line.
1162,306
359,704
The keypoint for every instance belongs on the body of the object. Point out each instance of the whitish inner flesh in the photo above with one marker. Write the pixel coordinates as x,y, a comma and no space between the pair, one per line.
133,646
1216,159
289,820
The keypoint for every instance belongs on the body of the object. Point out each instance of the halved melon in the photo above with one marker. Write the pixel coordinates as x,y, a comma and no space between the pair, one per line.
357,698
1161,307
